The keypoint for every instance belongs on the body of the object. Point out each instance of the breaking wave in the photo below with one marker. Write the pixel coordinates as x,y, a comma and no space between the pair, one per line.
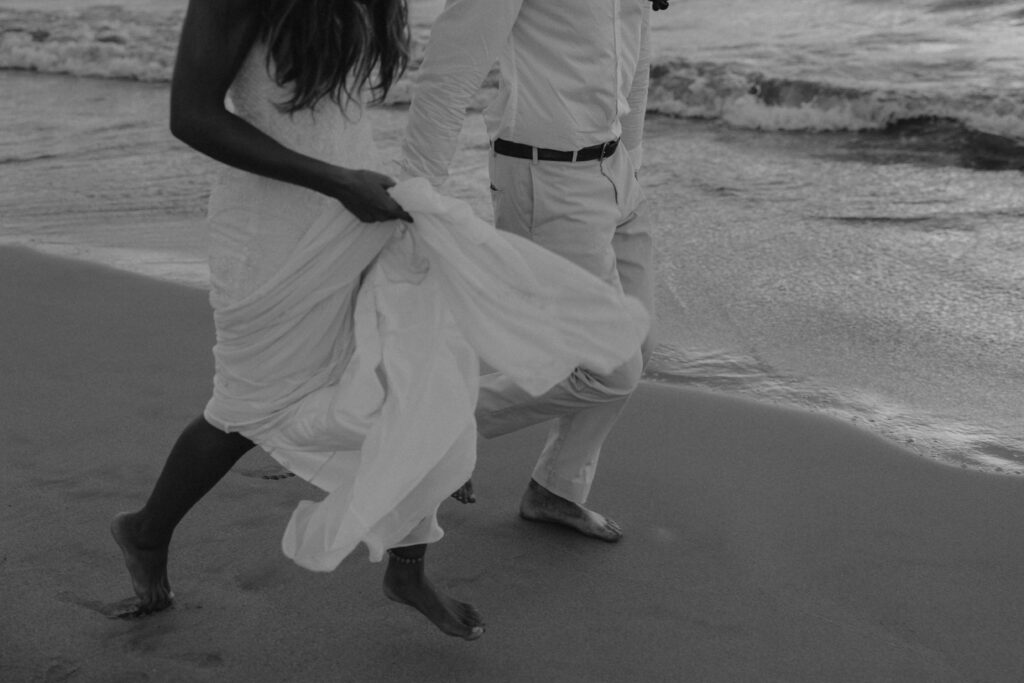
987,128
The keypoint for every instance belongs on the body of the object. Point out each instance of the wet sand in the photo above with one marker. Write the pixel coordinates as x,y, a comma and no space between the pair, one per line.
761,544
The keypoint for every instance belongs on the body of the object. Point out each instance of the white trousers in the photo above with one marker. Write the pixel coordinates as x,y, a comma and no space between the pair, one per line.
589,213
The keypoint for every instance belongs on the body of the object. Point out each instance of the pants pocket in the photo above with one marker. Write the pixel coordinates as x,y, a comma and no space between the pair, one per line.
511,195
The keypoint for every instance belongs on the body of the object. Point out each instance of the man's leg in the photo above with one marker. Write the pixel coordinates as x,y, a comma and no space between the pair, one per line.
565,470
584,212
568,473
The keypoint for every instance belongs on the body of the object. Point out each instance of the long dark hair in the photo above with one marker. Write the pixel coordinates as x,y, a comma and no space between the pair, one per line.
333,48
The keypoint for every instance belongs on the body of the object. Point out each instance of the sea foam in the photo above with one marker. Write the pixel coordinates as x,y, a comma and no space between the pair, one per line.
750,99
121,43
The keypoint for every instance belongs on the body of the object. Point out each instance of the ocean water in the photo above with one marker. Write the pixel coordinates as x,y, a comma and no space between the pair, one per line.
835,188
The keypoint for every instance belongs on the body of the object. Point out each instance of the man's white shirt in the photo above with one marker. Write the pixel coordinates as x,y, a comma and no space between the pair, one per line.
574,73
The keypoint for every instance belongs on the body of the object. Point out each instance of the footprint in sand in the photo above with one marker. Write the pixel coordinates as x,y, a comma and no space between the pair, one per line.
128,608
268,472
61,669
122,609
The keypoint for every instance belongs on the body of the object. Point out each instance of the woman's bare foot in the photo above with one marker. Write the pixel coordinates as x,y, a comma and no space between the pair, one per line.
146,565
405,582
465,493
540,505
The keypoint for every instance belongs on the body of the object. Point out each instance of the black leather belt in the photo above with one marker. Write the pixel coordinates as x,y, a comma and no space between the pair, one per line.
520,151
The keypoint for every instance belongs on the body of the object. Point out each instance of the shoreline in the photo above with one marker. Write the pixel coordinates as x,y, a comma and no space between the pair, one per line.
191,271
102,180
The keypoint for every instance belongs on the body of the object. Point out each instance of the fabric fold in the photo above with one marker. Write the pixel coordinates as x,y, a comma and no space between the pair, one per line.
357,365
526,311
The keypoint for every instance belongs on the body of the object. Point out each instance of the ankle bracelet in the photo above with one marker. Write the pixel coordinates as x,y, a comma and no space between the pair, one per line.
405,560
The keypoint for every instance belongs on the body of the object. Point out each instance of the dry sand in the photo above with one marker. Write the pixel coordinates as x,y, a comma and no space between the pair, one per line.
762,544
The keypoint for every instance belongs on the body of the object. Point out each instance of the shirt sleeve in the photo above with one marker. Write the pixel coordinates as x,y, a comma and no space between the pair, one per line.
465,41
633,122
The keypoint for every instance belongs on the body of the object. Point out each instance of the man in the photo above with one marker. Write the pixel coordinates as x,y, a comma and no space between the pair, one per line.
565,130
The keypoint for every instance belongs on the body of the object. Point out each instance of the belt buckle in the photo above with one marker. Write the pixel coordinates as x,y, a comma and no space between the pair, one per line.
604,148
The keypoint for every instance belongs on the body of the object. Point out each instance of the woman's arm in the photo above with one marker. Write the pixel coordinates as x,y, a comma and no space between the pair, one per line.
215,39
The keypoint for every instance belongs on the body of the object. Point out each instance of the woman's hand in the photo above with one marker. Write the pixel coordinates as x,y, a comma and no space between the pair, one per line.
365,194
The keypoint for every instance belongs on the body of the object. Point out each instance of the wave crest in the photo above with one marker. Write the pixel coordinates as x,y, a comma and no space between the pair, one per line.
114,42
749,99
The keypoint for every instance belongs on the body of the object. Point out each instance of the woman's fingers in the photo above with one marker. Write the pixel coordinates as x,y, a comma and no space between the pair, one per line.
394,209
389,208
403,216
370,202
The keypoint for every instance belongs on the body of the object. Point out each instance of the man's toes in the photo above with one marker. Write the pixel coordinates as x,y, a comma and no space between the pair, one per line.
465,493
605,529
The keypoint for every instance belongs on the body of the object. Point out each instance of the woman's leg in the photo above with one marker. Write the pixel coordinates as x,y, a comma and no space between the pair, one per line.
405,581
199,459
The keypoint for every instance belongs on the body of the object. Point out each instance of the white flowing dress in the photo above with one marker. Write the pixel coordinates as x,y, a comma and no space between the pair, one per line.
350,351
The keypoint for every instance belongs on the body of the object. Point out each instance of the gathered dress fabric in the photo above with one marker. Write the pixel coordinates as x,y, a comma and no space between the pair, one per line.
351,351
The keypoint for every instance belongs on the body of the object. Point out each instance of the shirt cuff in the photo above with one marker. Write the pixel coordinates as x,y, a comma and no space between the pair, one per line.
402,169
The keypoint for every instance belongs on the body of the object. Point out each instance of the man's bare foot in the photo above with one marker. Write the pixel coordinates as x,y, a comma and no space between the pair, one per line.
146,565
540,505
405,582
465,493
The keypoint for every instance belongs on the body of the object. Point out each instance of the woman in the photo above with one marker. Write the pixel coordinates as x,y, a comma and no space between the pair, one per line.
347,340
